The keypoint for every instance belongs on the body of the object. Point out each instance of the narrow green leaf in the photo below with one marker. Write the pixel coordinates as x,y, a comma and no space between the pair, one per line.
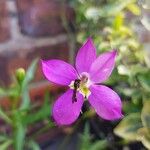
118,22
2,92
3,138
30,73
5,145
99,145
33,145
19,132
43,113
138,68
25,93
128,127
135,9
11,92
85,138
25,100
145,115
145,81
20,136
4,116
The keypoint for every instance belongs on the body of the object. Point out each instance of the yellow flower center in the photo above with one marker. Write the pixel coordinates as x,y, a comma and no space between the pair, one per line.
84,91
83,86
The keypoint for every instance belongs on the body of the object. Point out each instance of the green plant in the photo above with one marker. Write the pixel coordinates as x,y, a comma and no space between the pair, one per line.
136,126
111,28
86,142
20,115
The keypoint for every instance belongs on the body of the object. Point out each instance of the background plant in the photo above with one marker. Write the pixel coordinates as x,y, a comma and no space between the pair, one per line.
22,113
110,23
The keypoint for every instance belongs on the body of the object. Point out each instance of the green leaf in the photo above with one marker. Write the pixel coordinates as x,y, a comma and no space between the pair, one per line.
19,131
144,137
134,9
85,138
4,116
25,100
145,81
118,22
5,145
33,145
137,69
128,91
128,127
11,92
2,92
30,73
43,113
19,137
92,13
145,115
3,138
99,145
86,144
29,76
114,8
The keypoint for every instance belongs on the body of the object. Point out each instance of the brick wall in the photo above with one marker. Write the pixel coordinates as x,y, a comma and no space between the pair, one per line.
34,28
30,29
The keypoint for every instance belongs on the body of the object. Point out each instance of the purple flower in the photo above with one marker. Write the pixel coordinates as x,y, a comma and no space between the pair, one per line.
83,85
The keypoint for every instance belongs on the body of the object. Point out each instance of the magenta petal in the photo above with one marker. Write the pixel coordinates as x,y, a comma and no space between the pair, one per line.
106,102
102,67
59,72
64,111
85,56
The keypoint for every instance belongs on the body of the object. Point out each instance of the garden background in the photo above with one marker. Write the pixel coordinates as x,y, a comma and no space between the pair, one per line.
31,30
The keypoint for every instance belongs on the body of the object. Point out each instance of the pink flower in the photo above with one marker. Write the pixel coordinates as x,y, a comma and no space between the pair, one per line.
83,85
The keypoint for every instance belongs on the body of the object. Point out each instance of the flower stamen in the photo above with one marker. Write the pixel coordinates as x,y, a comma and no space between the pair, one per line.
82,85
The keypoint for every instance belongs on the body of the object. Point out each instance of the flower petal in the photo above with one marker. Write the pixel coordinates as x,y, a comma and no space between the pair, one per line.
59,72
106,102
85,56
65,112
102,67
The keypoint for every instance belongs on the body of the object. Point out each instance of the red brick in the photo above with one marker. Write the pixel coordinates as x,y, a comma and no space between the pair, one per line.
22,58
42,17
4,22
3,70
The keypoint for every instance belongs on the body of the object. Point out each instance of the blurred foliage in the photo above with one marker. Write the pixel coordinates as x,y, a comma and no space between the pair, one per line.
86,141
145,19
21,114
111,25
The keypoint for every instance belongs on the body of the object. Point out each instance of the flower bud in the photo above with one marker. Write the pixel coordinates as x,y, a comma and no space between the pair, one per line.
20,74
